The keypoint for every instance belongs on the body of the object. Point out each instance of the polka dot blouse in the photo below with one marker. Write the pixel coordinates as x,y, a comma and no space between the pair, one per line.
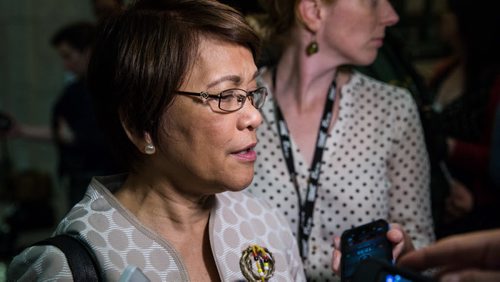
375,165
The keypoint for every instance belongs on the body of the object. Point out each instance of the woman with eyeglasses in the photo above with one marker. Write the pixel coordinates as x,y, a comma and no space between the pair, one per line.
337,148
175,86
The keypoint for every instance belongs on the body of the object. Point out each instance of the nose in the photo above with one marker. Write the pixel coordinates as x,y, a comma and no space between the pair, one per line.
249,116
390,17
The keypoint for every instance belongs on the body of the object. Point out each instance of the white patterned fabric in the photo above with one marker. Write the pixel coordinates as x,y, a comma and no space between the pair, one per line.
118,240
375,165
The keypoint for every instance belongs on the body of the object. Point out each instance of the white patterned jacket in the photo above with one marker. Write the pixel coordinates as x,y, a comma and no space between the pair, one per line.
118,240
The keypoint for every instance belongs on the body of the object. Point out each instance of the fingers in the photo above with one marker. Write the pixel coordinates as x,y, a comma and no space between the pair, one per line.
336,242
336,255
336,261
402,243
479,249
471,275
397,239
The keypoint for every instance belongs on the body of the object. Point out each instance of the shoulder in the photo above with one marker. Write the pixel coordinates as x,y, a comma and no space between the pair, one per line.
97,209
39,263
370,84
366,90
73,93
76,86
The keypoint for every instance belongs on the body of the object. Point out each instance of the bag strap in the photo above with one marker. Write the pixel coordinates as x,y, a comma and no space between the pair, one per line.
81,260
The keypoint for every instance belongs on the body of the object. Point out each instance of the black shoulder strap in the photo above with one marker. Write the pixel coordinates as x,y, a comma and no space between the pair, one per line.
80,258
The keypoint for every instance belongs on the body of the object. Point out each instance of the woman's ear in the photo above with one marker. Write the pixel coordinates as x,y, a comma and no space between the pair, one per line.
143,143
309,14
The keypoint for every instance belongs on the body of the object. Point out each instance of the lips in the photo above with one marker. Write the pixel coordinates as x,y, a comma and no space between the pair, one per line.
247,153
378,42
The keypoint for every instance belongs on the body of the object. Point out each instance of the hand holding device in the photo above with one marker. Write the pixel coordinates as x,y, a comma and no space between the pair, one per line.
363,242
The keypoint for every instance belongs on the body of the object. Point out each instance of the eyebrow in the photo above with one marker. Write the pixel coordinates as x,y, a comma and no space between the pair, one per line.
234,78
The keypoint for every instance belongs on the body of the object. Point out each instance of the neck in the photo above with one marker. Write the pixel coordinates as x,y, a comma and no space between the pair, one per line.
162,206
303,79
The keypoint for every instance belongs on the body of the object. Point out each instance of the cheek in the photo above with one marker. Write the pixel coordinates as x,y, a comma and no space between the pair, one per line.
206,137
343,33
359,32
216,134
196,134
354,43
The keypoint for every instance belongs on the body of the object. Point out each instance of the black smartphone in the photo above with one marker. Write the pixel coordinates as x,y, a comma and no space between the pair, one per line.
376,270
361,243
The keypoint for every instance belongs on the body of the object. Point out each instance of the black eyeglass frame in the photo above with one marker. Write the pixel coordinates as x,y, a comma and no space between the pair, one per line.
206,96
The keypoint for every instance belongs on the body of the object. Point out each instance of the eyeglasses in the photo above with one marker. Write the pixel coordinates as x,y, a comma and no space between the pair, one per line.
231,100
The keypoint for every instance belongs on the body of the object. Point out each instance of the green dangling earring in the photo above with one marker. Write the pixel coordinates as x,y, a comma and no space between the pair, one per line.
312,48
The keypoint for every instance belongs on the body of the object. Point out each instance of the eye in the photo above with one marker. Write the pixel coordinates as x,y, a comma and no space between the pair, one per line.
233,95
240,98
227,96
229,92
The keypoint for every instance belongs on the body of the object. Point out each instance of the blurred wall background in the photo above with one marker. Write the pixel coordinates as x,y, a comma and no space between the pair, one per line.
31,77
31,73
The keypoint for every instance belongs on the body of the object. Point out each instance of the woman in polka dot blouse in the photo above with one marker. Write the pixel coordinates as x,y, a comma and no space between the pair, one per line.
175,85
337,149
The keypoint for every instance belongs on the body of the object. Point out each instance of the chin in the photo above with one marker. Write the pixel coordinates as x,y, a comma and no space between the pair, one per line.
366,58
240,184
365,61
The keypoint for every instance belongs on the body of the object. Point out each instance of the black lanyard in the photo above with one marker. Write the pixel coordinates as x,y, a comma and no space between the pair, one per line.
306,208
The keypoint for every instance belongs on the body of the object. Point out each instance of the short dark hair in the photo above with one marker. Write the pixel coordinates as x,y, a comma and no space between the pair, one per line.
79,35
103,10
142,56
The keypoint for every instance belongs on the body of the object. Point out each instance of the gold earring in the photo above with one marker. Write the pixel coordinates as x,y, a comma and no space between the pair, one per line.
149,149
312,48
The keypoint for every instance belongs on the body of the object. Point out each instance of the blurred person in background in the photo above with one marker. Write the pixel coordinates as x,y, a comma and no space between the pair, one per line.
467,94
83,151
337,148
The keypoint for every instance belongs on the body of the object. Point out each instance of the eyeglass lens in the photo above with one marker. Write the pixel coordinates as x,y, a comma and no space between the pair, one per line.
234,99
